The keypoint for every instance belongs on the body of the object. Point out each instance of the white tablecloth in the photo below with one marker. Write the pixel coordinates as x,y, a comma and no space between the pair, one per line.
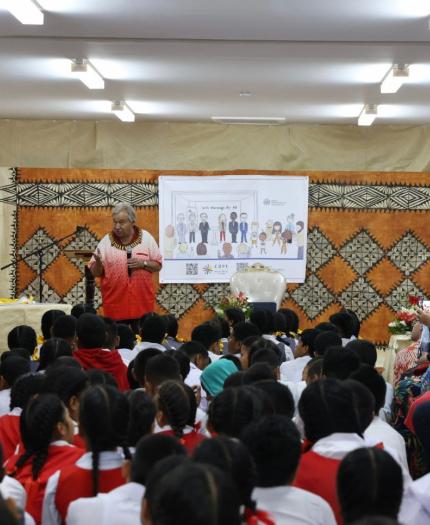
14,314
386,356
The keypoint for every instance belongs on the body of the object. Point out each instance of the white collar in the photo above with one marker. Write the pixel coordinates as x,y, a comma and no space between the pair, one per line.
337,445
108,460
17,411
60,443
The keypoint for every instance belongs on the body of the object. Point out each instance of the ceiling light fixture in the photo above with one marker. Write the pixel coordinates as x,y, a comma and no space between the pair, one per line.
26,11
394,79
250,120
122,111
368,115
82,69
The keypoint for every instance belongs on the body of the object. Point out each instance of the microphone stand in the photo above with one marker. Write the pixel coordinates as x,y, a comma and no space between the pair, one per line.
40,252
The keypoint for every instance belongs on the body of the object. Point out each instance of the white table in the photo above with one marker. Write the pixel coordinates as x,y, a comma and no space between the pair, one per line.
14,314
386,356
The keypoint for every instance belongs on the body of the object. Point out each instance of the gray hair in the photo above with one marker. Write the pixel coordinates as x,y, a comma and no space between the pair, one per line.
129,209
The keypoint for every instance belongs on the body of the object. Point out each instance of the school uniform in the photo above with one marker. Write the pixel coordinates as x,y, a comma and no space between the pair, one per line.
318,467
190,438
4,401
117,507
146,344
382,432
60,455
10,434
193,380
415,508
171,342
293,506
106,360
127,355
385,412
289,356
11,488
75,481
293,370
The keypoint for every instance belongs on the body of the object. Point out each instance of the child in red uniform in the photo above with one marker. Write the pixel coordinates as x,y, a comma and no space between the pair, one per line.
176,413
103,417
46,430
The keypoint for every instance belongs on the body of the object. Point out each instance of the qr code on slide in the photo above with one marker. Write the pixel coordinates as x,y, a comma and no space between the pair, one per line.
240,267
191,269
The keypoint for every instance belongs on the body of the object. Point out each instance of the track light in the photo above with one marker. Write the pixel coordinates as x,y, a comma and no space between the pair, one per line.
122,111
394,79
368,115
26,11
82,69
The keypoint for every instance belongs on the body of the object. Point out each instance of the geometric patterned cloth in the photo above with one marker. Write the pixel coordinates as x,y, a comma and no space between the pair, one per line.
368,240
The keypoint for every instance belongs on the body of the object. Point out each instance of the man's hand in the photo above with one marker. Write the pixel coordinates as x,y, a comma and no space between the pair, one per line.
97,268
135,263
423,316
98,257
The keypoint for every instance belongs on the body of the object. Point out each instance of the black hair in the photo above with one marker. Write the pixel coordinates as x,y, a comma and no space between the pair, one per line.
370,378
233,458
100,377
126,336
153,328
48,320
326,327
274,443
51,350
376,520
266,355
159,470
339,362
234,315
171,324
150,450
292,320
176,494
91,331
242,330
307,336
262,344
421,422
140,362
234,380
324,340
258,372
193,348
132,381
223,325
364,403
356,322
365,350
327,406
182,359
82,308
103,417
142,416
344,322
64,327
24,388
369,483
6,516
207,334
315,367
111,330
234,408
21,352
37,426
161,368
65,360
174,401
14,367
234,359
22,336
264,320
66,382
280,396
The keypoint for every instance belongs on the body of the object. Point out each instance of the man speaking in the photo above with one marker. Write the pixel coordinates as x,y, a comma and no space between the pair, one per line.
125,260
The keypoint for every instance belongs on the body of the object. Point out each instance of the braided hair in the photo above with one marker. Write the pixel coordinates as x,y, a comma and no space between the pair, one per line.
174,401
37,425
104,416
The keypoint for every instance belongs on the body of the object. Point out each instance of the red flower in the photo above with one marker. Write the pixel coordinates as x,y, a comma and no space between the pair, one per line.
414,299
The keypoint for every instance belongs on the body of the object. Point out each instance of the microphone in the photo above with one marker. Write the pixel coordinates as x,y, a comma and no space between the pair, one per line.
129,250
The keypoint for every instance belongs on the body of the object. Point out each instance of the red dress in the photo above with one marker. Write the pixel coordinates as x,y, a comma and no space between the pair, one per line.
10,435
76,482
190,440
59,455
105,360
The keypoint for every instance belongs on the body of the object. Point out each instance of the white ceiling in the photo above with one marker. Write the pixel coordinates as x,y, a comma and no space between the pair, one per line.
310,61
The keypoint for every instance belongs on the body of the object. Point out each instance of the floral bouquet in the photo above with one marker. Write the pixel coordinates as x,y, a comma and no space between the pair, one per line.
234,301
403,321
